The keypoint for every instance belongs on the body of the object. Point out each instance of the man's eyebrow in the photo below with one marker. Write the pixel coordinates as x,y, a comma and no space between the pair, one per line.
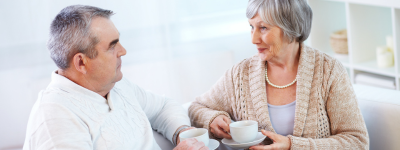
113,43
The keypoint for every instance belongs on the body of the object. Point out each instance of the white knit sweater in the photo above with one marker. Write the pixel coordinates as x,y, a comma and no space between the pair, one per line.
69,116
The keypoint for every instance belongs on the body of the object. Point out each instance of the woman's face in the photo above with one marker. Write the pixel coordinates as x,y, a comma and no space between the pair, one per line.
267,38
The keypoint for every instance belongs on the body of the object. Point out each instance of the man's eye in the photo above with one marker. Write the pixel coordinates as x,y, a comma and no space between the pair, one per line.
112,46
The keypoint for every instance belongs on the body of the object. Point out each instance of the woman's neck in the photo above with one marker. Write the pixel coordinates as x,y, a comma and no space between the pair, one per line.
287,58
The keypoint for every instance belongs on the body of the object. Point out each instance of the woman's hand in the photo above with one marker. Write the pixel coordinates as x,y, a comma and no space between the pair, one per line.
220,127
191,144
280,142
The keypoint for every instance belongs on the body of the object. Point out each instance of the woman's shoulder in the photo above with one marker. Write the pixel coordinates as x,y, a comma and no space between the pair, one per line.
326,63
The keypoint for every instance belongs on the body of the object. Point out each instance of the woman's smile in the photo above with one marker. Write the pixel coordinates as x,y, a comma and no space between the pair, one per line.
261,50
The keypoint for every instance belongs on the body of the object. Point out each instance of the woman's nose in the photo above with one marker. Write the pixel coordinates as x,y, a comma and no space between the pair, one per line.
255,37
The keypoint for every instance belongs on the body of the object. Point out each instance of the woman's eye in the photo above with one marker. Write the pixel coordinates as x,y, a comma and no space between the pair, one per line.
263,28
251,27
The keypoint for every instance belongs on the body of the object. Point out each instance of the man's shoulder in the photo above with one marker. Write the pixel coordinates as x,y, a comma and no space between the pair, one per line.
125,85
57,100
127,88
53,95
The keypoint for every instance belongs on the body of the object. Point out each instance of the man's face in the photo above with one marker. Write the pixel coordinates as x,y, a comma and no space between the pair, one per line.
105,69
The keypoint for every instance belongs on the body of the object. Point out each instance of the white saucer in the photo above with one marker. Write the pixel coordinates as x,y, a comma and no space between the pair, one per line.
231,143
213,144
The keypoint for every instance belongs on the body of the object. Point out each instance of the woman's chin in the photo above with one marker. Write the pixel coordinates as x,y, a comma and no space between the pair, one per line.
263,56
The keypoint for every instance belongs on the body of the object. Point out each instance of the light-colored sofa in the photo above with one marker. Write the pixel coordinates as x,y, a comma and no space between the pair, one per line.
381,112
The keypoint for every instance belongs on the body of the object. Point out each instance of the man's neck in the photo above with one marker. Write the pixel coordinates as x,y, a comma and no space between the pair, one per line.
83,81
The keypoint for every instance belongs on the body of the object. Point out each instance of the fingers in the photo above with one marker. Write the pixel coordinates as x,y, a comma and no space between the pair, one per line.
190,141
197,146
220,128
269,134
262,147
184,145
204,148
191,144
222,134
225,124
227,120
280,142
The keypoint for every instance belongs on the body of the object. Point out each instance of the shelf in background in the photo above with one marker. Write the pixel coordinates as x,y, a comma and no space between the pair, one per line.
371,66
322,27
396,37
384,3
368,24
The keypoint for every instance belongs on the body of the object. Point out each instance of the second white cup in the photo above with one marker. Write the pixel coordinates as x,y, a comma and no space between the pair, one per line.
244,131
200,134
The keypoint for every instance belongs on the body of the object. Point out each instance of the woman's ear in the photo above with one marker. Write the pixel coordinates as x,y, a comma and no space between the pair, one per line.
80,62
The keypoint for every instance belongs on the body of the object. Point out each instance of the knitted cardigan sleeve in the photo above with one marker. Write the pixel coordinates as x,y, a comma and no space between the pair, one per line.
348,130
219,100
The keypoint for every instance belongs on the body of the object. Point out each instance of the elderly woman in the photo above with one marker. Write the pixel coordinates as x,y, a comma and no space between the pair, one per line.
300,97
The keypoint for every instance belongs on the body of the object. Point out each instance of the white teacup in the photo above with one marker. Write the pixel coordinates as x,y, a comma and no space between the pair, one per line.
200,134
244,131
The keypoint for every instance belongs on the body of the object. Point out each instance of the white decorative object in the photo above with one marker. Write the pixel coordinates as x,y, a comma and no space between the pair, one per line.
384,57
389,42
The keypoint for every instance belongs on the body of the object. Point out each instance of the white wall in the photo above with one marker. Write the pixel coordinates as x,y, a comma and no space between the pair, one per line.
178,48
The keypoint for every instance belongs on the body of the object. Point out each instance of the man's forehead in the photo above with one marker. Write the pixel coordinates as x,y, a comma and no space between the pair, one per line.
103,27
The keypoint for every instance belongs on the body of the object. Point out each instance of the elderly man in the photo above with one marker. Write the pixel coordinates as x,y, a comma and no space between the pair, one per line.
88,105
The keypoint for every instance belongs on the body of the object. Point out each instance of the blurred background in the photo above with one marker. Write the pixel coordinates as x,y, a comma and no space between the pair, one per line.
177,48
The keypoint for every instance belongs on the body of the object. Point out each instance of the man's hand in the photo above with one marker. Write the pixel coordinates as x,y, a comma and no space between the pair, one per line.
280,142
191,144
220,127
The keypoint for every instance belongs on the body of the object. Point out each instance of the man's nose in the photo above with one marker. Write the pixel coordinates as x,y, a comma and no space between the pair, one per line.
122,52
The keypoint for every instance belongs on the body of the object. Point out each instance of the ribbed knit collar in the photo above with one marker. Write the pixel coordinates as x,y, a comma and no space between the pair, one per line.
259,96
77,91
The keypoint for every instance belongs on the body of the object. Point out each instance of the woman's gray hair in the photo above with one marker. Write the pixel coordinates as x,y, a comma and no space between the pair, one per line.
70,33
294,17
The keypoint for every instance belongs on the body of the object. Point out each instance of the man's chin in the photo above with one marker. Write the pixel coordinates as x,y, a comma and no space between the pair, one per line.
119,77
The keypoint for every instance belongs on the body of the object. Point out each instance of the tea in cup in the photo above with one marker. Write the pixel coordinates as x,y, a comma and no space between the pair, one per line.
244,131
200,134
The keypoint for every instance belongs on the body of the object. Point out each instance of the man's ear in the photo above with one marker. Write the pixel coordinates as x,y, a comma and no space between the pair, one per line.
80,62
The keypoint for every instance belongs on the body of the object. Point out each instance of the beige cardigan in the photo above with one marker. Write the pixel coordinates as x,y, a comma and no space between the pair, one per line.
327,114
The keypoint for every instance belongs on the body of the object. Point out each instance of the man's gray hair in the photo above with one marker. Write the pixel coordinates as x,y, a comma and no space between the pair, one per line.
294,17
70,33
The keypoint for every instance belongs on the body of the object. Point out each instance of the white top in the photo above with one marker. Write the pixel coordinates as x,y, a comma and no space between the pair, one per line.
69,116
282,118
